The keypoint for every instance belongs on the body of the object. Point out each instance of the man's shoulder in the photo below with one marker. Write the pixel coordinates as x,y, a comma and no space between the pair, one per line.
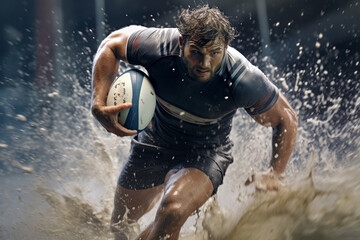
238,66
154,34
249,85
148,44
234,58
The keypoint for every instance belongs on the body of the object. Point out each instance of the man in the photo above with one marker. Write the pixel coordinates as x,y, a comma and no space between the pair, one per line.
200,82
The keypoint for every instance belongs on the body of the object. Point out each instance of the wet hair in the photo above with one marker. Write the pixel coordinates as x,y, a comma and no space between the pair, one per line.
204,24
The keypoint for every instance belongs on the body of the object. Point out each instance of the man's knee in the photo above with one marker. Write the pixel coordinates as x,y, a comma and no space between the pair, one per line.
172,212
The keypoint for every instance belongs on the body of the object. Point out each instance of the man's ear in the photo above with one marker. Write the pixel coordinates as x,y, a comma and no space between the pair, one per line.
227,45
181,42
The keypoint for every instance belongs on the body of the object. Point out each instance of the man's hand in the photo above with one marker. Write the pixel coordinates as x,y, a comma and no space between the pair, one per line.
108,118
265,181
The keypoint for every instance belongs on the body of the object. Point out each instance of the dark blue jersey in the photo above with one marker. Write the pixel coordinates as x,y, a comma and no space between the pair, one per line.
191,112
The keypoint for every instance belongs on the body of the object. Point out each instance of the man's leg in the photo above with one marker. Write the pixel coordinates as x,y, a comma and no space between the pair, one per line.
186,190
130,205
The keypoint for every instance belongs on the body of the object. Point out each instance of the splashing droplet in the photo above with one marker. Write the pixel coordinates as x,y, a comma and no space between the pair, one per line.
21,117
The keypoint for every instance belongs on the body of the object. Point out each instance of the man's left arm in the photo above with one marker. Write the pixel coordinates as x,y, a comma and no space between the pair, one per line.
283,119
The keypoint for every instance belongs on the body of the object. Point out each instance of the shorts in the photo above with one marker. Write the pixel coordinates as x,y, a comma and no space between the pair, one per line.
148,164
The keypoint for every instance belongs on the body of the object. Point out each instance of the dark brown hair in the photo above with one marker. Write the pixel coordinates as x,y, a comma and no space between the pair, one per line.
204,24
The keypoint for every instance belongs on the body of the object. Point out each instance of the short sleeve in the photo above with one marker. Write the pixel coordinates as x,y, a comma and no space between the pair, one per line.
146,46
251,89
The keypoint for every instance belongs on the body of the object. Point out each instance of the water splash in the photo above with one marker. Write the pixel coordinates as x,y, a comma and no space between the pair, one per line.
59,168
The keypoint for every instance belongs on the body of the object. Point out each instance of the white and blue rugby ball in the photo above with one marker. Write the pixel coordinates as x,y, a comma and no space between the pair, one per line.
135,87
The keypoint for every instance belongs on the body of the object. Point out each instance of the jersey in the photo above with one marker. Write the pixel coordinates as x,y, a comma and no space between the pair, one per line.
190,112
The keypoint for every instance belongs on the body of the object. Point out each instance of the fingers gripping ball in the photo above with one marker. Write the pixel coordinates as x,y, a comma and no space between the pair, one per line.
135,87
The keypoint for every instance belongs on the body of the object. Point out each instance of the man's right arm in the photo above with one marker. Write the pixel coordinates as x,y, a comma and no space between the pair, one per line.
105,68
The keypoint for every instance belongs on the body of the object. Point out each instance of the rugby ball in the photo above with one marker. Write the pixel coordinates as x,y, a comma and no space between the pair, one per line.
135,87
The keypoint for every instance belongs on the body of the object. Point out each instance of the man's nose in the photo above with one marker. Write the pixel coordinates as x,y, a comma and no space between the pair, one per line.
205,61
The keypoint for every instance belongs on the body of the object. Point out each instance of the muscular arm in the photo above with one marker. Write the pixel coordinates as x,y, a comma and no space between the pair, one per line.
105,68
283,119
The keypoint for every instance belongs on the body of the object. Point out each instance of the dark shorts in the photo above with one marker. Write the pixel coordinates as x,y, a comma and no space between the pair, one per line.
147,164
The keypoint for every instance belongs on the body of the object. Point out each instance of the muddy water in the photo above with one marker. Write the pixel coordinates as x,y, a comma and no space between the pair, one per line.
58,183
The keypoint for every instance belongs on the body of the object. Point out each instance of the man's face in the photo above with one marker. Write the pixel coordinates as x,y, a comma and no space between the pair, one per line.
202,62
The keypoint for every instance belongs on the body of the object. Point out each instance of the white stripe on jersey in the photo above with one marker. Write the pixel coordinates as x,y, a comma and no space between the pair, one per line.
237,70
185,116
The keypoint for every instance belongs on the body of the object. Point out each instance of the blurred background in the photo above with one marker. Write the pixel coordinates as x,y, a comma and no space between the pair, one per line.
308,48
41,40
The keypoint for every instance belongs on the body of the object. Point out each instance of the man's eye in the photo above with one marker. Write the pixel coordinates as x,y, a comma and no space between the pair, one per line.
195,52
215,53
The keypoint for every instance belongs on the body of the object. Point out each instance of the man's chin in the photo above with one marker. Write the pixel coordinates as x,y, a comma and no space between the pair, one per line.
201,77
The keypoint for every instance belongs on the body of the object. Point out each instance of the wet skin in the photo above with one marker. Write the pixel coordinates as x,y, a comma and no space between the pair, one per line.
202,61
184,190
180,195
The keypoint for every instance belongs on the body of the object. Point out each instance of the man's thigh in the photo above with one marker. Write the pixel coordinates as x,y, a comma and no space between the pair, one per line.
186,190
132,204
